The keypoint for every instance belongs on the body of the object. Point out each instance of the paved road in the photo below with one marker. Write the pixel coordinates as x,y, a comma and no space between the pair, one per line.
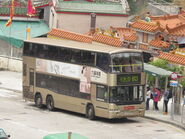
22,120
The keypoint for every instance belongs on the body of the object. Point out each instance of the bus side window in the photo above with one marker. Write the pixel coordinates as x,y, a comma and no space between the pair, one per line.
75,56
64,54
87,58
53,52
103,61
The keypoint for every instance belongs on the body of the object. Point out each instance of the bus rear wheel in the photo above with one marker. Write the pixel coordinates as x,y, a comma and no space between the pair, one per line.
38,101
50,103
90,112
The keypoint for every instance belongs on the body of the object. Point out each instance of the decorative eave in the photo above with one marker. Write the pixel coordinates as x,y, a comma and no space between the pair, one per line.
172,58
127,34
107,40
143,26
88,13
159,44
58,33
178,31
83,7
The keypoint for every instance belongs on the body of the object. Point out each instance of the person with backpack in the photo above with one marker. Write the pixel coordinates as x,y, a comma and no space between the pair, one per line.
167,95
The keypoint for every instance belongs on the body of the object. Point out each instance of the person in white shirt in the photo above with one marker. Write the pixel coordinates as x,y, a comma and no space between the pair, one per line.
148,94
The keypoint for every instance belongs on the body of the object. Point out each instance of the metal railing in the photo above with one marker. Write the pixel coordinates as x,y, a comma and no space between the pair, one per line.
178,113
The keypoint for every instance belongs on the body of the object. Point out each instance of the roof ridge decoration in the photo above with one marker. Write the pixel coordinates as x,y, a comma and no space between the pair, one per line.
114,34
107,40
146,26
159,43
164,17
62,34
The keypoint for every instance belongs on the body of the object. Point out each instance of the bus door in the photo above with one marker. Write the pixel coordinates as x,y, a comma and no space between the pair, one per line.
31,82
102,98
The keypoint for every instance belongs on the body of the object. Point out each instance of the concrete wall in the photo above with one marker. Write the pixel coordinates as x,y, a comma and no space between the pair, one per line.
10,64
81,23
7,50
10,57
52,18
162,9
140,37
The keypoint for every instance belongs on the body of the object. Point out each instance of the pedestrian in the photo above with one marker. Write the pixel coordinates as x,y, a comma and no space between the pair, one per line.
166,99
148,94
156,96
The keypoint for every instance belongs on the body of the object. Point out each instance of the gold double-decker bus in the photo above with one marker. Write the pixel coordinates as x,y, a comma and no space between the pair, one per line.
92,79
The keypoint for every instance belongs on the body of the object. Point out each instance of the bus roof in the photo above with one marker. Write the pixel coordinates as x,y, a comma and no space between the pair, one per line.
96,47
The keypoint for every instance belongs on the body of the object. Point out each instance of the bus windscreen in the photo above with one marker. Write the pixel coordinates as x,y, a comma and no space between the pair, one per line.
126,62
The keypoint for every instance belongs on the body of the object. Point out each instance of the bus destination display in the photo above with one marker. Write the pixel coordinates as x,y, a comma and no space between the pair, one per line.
124,79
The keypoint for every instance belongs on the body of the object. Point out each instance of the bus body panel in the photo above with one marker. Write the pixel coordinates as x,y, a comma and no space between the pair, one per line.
102,108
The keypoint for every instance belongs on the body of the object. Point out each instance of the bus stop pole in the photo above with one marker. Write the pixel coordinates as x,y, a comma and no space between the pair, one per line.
69,135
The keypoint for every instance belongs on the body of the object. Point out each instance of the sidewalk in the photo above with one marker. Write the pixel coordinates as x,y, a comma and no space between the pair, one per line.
159,116
13,81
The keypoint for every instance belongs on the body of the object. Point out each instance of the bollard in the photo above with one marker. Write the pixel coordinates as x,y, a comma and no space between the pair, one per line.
69,135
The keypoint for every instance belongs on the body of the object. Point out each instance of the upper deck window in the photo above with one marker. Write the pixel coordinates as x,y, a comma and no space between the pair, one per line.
103,61
126,62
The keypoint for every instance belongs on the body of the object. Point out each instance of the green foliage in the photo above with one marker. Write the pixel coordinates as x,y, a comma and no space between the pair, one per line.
183,82
160,63
151,80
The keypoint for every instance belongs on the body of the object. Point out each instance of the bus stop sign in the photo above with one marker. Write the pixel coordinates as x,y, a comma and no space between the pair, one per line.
174,76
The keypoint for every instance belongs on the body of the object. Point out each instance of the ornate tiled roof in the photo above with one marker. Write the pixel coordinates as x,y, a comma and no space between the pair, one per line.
56,33
172,24
172,58
159,44
127,34
21,7
107,40
145,26
179,30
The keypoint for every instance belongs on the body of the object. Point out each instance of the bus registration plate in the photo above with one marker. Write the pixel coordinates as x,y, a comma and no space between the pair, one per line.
129,108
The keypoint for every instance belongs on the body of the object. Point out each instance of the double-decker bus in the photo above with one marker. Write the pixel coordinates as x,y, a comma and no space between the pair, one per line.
92,79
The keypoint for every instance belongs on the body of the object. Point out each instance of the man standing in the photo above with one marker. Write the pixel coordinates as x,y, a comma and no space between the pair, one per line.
148,94
167,96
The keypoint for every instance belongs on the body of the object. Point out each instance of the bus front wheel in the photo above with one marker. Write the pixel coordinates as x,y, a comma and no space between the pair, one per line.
38,100
90,112
50,103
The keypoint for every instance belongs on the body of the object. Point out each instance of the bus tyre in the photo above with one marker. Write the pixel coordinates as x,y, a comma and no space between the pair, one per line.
50,103
90,112
38,101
